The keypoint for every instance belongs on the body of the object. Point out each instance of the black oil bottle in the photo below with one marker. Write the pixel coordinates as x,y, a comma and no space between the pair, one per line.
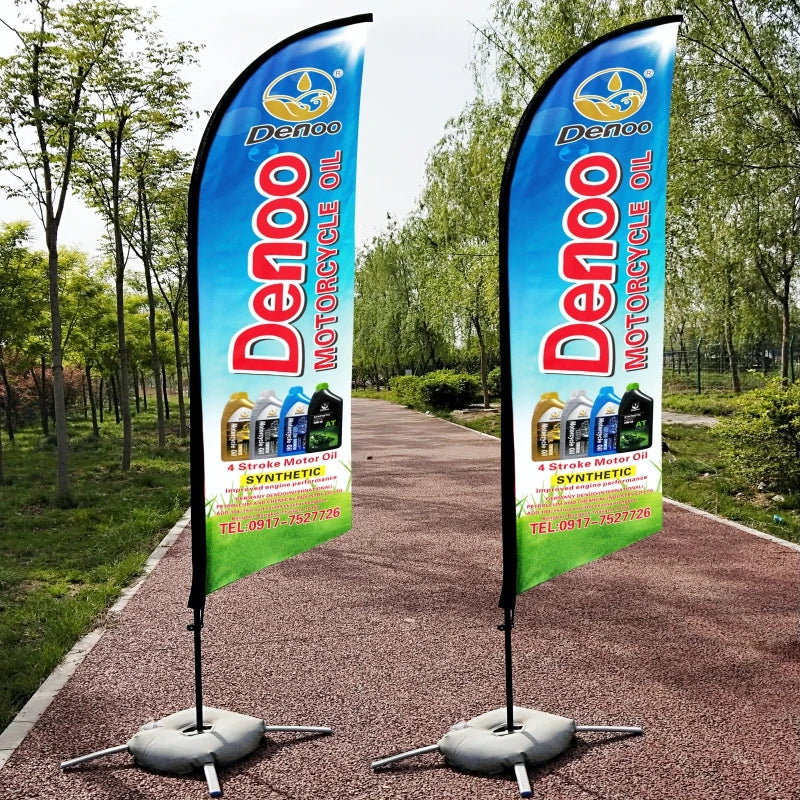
324,420
635,426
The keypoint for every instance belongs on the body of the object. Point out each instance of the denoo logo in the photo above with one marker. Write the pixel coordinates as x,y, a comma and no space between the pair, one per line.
300,95
610,95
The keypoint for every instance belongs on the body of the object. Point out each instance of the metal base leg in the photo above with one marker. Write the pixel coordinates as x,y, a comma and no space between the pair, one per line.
608,729
72,762
382,762
211,779
296,729
524,784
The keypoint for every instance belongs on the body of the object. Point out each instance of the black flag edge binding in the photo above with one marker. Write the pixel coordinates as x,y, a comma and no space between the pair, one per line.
508,502
197,594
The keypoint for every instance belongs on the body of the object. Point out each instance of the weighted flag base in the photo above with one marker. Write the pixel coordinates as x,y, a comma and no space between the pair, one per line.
485,745
173,744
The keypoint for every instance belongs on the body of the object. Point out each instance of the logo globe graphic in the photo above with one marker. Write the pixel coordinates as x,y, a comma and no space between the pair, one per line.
610,95
300,95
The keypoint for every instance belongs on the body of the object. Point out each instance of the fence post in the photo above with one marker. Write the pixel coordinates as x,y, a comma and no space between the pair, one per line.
699,385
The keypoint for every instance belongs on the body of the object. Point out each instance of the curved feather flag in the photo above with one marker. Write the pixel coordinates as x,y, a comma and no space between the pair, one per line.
272,255
582,303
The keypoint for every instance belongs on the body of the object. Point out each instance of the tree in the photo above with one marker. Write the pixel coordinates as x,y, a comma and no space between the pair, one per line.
138,97
43,88
460,203
20,292
159,235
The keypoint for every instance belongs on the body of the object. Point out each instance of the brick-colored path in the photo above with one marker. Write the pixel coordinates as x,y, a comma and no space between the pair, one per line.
389,635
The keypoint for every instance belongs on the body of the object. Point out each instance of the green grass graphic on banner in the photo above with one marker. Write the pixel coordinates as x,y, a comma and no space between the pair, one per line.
238,540
549,545
582,295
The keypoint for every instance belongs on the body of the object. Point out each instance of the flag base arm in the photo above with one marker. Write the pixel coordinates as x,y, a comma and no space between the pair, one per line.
174,746
383,762
73,762
485,745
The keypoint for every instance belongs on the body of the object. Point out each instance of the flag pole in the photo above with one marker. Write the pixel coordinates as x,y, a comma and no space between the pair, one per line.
196,628
506,627
508,507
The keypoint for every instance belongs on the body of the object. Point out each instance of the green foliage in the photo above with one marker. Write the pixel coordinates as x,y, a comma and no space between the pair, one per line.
714,403
445,390
442,390
493,381
406,390
761,440
61,567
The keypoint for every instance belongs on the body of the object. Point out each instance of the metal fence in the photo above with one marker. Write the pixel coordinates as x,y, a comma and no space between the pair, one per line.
703,366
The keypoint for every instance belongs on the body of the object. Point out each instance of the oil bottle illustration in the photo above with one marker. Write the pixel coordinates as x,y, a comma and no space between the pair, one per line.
575,425
603,423
236,427
324,420
546,428
293,422
264,420
635,430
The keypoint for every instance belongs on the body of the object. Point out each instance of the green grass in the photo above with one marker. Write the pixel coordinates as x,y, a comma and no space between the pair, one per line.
695,474
61,568
712,403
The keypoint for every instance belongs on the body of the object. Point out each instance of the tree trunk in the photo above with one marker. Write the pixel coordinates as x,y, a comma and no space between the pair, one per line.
136,398
155,360
176,338
144,391
115,398
786,333
41,386
484,367
63,493
10,399
83,397
102,398
733,356
92,404
164,388
145,235
115,152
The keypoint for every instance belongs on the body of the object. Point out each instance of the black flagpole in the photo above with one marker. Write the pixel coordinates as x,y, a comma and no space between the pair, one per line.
508,594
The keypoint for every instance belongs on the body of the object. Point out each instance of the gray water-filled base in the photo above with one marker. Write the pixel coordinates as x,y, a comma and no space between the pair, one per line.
172,744
483,743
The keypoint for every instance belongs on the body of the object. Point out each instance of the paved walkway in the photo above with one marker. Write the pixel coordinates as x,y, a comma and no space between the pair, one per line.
389,635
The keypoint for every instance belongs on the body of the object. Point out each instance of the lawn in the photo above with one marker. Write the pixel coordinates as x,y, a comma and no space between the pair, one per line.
61,568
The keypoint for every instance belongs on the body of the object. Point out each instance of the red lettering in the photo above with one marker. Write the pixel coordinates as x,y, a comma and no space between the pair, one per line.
573,261
588,302
280,300
242,358
583,345
553,358
267,175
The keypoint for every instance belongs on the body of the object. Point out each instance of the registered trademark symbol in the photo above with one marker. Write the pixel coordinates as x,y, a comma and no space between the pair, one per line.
648,73
337,73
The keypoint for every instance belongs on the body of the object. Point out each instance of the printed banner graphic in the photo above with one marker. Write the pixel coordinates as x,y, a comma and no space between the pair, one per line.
582,274
273,254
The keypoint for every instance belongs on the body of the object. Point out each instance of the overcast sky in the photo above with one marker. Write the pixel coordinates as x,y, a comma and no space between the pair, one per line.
416,76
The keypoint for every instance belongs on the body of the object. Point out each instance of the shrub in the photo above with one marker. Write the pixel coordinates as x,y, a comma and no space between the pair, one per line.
493,380
761,440
445,390
407,390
